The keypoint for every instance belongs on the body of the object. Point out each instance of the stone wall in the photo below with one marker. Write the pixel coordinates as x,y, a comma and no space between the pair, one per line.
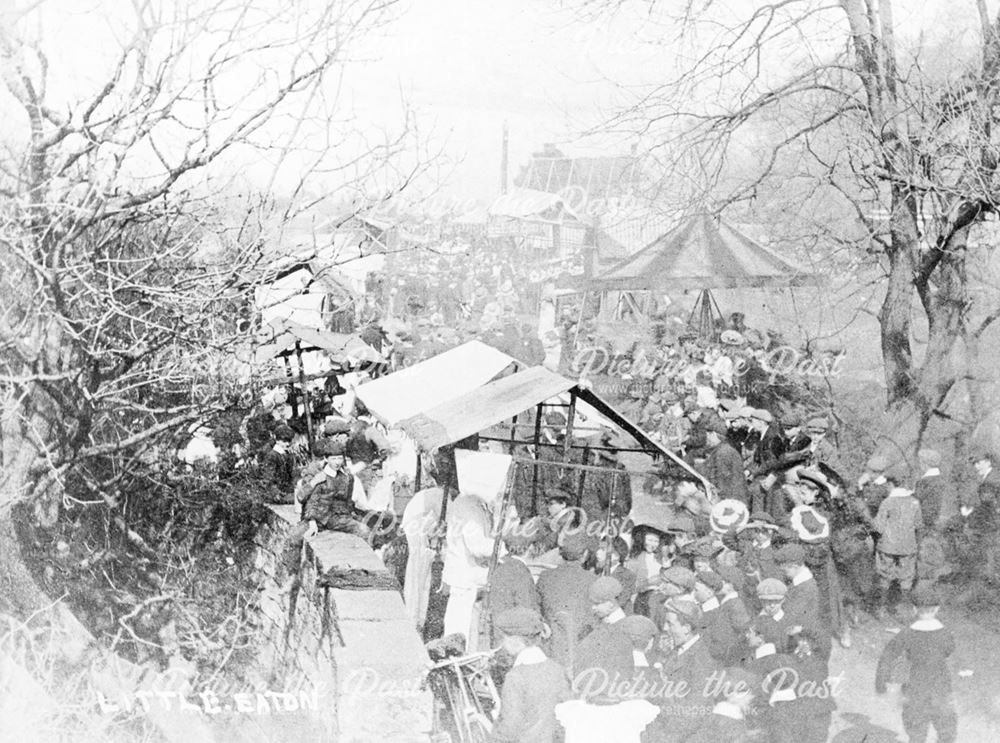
353,646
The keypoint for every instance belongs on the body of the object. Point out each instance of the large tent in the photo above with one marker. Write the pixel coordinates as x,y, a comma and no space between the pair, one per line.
702,252
705,253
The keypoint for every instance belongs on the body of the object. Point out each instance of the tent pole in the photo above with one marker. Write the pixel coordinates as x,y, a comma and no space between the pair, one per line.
291,387
305,396
534,468
569,425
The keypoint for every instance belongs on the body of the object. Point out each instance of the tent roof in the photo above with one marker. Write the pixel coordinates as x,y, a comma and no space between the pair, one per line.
339,346
407,392
706,253
483,407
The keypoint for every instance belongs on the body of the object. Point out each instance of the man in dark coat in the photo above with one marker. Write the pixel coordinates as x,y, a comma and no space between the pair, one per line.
511,585
931,488
278,467
983,515
723,467
770,449
928,696
728,624
690,664
534,685
327,503
604,657
611,488
802,603
565,604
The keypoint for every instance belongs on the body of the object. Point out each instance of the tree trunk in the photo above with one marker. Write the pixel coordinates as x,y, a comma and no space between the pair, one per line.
894,317
20,595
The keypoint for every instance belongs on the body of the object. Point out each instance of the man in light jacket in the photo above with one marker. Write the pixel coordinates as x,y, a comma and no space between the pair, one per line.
468,547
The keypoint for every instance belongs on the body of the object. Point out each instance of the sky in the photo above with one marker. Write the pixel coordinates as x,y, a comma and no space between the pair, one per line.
468,66
465,67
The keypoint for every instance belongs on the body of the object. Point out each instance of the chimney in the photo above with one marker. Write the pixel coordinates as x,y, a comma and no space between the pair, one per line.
503,161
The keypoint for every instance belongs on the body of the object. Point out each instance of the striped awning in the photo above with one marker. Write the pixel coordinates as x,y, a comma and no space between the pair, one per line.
703,252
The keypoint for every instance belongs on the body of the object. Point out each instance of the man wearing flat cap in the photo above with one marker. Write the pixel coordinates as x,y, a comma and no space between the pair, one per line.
723,467
728,625
690,664
772,623
606,653
511,585
533,686
982,514
563,593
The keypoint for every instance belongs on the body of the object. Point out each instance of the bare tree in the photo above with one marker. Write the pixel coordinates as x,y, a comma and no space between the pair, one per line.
121,264
821,104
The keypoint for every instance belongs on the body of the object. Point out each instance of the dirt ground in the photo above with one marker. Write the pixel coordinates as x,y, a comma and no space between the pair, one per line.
863,715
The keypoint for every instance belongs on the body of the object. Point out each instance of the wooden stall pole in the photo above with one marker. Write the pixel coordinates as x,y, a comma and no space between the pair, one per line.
305,395
291,387
534,468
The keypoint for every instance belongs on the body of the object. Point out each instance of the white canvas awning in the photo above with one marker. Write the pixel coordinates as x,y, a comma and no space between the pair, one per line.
426,385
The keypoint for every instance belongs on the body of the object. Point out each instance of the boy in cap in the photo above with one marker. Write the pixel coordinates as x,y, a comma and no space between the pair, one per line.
803,598
899,523
928,699
727,626
812,667
677,583
604,655
562,591
642,632
511,585
773,622
533,686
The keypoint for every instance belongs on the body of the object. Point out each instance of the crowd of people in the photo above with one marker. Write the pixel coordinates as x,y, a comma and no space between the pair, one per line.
599,620
755,588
